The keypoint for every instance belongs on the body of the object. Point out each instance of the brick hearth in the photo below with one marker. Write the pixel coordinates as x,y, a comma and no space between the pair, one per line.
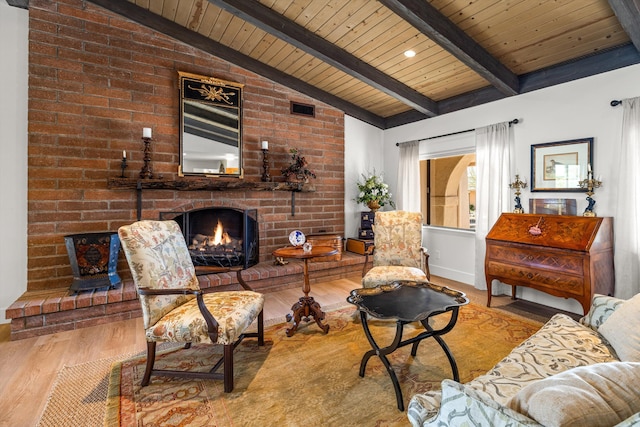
38,313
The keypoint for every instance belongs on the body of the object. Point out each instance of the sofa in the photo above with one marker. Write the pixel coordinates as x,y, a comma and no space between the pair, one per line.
569,373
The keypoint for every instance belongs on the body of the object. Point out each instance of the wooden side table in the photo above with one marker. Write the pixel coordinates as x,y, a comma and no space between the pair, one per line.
306,306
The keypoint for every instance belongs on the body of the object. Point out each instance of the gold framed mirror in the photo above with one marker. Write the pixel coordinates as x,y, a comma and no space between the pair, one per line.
210,126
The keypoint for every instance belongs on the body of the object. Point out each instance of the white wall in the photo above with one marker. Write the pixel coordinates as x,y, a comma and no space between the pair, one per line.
14,26
362,154
569,111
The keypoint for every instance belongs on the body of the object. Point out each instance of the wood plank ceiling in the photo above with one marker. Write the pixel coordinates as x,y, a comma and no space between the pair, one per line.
350,53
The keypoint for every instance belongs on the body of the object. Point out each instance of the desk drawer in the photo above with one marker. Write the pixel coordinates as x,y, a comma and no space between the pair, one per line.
544,280
537,258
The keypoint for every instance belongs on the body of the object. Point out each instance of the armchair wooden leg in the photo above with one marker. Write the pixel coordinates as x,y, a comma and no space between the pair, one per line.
151,358
228,367
426,267
261,329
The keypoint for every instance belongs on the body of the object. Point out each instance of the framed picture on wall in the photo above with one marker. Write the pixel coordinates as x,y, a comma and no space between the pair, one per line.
560,166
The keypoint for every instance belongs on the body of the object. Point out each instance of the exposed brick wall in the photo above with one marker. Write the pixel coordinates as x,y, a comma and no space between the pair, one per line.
95,80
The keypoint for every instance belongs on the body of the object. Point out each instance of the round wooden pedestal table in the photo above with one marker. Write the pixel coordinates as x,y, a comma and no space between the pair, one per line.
306,307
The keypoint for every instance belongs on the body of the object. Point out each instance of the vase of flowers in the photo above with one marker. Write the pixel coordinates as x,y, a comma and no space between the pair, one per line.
297,170
373,192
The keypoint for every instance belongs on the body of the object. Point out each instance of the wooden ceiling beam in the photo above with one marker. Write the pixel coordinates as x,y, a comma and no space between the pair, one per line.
22,4
601,62
441,30
273,23
587,66
628,13
192,38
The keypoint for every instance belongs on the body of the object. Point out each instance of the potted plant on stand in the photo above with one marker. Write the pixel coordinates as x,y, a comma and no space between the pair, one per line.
297,170
373,192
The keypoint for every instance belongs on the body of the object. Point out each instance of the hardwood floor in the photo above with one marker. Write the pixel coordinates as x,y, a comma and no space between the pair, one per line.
29,367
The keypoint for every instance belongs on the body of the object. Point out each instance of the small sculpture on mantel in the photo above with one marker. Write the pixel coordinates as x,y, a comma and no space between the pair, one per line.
298,168
518,184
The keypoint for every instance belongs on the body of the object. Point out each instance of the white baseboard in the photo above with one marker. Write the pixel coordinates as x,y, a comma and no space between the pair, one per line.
451,274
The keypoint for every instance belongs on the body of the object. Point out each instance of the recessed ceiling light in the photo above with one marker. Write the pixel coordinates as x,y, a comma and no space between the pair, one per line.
410,53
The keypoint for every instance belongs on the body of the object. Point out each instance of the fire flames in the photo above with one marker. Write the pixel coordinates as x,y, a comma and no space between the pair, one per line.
220,237
216,239
218,242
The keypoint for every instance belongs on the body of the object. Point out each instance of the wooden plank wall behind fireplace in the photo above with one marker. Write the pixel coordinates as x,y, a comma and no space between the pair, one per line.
106,80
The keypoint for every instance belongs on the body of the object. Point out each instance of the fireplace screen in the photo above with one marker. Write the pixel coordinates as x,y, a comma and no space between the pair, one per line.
219,237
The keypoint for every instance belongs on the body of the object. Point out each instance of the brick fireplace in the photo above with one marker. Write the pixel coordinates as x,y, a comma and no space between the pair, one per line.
95,80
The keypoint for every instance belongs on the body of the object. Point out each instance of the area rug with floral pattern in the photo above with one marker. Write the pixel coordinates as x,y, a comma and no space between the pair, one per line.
310,378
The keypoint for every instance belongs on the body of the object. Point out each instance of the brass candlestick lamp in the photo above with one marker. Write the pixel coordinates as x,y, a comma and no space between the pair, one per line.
518,184
590,183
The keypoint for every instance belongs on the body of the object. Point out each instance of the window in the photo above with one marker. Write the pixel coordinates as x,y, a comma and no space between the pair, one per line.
448,180
448,189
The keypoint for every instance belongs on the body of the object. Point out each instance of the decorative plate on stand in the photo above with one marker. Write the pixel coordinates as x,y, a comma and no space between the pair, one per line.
297,238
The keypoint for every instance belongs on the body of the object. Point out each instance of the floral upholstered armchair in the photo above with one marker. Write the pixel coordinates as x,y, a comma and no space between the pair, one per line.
398,252
174,308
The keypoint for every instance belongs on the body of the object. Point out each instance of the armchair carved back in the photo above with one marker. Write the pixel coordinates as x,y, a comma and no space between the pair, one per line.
159,259
397,239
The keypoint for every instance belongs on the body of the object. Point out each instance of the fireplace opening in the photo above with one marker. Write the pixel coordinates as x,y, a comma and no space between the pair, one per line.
219,237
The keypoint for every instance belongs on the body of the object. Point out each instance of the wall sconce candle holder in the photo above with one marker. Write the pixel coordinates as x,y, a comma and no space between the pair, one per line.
518,184
265,165
590,183
123,166
146,172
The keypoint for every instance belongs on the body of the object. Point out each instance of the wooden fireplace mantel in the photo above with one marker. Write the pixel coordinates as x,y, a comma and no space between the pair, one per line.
206,184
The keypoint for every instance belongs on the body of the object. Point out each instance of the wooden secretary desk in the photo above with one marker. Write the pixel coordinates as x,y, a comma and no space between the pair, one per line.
562,255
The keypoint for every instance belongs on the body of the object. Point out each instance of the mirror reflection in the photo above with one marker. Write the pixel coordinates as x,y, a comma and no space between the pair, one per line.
210,126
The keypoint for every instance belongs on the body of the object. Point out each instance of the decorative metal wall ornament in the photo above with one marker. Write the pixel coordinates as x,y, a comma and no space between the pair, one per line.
213,93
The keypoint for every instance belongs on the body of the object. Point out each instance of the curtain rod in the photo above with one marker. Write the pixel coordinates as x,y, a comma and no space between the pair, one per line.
512,122
615,103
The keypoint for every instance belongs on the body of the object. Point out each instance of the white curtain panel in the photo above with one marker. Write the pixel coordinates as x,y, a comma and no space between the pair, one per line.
409,177
495,152
627,203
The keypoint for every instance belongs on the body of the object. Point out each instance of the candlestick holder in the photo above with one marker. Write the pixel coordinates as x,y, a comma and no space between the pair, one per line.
146,172
590,183
265,166
123,166
518,184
